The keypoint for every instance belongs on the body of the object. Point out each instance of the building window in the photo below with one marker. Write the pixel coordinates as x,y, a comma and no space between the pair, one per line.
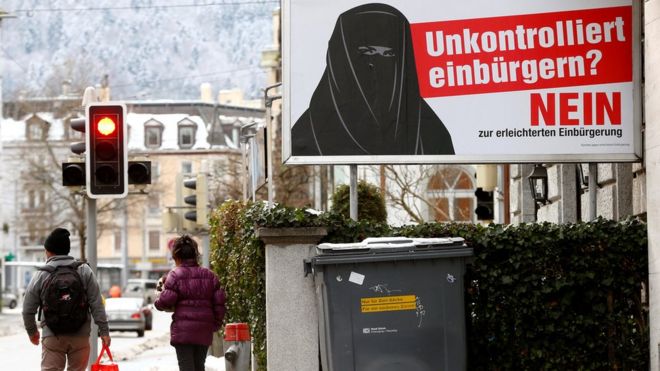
186,167
154,241
451,190
155,171
186,134
153,202
35,131
117,241
32,199
153,134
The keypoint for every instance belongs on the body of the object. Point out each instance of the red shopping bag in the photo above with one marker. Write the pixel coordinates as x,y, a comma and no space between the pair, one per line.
105,366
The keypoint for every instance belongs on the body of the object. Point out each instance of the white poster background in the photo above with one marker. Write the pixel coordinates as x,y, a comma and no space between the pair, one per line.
308,25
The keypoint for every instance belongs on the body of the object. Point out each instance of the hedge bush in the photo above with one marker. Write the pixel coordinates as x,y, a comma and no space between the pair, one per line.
372,203
539,296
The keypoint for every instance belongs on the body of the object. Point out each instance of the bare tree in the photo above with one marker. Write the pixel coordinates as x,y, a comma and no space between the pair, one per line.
416,189
225,180
403,188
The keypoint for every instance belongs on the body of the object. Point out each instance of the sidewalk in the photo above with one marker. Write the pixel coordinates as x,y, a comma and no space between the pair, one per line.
212,364
11,322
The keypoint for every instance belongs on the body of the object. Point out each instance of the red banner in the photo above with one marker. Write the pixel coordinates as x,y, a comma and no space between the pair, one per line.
523,52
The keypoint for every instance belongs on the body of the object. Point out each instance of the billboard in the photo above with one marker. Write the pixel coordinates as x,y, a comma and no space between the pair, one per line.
477,81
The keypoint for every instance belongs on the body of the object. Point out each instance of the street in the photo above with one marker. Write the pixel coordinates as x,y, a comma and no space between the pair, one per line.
150,353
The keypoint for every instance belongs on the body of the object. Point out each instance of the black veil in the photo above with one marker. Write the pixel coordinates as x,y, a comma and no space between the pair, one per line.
368,101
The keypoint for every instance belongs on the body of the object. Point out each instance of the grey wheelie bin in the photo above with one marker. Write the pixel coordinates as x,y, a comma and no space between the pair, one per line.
391,304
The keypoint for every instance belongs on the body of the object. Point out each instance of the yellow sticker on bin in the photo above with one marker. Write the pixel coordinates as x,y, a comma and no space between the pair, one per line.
388,303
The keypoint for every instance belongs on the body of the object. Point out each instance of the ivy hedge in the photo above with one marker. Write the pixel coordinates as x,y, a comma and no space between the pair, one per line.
538,296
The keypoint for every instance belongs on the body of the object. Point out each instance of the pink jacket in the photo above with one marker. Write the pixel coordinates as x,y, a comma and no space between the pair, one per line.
198,301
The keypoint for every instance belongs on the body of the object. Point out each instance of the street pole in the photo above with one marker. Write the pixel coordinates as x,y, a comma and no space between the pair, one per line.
206,250
124,245
89,96
91,260
3,15
353,200
269,140
13,271
593,195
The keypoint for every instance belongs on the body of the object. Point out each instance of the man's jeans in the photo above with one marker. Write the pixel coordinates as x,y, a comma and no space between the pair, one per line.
57,350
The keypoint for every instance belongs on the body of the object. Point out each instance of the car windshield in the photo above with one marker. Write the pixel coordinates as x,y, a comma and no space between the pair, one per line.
122,304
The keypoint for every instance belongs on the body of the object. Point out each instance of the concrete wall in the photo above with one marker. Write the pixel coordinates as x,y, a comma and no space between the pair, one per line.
621,192
291,310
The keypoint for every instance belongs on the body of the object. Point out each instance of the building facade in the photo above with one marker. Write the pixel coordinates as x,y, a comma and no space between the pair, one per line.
180,138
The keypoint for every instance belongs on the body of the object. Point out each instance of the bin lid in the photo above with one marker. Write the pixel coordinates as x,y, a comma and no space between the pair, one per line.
391,244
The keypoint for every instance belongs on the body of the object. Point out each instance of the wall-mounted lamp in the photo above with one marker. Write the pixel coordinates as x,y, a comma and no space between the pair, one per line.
584,178
538,183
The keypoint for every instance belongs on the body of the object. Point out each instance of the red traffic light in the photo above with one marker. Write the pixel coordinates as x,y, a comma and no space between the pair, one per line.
106,153
106,126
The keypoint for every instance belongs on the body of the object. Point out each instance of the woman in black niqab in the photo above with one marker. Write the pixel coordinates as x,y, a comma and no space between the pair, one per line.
368,101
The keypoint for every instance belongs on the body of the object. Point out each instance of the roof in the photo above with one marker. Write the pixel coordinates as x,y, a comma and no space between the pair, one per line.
14,130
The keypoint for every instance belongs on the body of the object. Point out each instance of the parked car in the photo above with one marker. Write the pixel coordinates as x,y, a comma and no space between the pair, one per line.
125,314
9,300
144,288
146,310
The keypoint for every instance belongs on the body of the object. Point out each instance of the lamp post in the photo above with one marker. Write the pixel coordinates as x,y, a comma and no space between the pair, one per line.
538,184
3,15
247,132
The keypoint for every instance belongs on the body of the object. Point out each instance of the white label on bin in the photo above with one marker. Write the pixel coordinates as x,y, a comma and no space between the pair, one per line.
356,278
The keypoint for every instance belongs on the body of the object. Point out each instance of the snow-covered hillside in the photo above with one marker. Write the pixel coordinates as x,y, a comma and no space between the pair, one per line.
151,49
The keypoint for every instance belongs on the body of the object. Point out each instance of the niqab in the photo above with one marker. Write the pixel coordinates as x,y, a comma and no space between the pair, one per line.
368,101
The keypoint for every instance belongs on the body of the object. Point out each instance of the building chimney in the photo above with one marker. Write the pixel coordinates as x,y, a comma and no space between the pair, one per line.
206,93
104,90
66,87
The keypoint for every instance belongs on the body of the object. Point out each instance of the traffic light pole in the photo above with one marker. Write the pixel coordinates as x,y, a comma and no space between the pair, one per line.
92,261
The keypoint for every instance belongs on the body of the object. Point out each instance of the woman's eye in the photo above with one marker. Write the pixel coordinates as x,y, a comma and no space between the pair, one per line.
367,51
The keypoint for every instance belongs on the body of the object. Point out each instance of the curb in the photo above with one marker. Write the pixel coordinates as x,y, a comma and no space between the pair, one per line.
141,348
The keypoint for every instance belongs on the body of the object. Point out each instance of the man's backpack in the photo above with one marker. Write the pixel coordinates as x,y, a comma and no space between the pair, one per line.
64,298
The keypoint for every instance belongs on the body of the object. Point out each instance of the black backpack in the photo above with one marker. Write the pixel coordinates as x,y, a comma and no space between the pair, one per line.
64,298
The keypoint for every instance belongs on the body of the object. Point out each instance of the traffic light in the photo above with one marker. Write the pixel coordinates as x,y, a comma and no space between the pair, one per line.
484,208
139,172
198,198
73,173
106,157
78,124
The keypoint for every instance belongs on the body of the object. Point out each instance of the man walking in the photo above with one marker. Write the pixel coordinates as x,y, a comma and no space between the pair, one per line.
64,292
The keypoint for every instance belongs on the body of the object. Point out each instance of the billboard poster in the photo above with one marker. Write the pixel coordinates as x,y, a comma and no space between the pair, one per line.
476,81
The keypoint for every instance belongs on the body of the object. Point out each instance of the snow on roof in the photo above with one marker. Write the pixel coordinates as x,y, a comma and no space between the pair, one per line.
170,134
15,130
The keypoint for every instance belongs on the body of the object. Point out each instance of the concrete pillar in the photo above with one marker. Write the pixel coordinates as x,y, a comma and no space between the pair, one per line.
624,188
652,159
523,207
291,312
568,189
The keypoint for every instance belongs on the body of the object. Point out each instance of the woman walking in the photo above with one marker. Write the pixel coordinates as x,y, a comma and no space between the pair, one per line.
194,295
